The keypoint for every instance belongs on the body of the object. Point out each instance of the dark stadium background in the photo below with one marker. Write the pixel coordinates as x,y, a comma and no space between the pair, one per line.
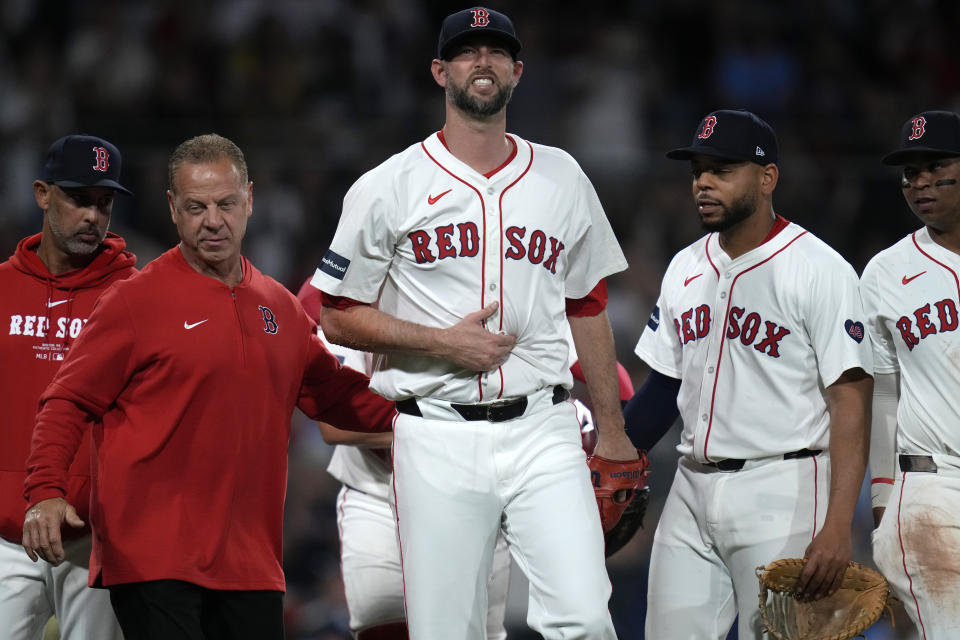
317,92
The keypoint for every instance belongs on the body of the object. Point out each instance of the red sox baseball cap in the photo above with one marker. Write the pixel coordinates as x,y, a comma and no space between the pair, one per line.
83,161
729,134
929,132
462,25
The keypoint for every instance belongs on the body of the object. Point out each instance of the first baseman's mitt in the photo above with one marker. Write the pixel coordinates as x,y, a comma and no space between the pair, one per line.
852,608
612,476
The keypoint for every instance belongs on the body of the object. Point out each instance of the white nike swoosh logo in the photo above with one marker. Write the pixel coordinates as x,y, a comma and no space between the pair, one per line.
51,304
188,325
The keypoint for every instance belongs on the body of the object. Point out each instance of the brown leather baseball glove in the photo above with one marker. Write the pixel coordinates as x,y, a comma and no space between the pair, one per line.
614,483
852,608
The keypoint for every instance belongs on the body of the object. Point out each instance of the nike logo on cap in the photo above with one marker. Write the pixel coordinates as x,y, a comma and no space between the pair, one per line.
907,280
191,325
51,304
433,199
691,279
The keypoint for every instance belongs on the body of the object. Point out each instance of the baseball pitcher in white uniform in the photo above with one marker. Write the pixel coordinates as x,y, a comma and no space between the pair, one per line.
476,246
911,295
761,324
367,525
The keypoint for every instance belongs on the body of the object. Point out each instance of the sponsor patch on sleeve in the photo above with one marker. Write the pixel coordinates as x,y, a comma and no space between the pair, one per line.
654,322
334,264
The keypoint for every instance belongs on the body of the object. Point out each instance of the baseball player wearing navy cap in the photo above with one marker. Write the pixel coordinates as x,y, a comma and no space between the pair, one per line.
476,246
758,337
47,291
911,297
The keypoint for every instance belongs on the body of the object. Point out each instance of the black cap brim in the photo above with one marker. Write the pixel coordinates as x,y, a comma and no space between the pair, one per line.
686,153
904,156
513,45
110,184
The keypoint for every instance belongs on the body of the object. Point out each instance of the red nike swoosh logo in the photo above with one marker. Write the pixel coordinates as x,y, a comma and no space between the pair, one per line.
691,279
433,199
907,280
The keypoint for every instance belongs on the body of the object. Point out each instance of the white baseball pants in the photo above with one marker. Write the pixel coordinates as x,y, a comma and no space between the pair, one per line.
32,592
716,528
458,484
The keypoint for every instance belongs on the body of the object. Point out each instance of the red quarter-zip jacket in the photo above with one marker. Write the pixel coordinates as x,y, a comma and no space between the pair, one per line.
41,314
191,386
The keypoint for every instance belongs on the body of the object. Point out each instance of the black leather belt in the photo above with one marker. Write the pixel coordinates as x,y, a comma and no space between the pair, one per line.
499,411
923,464
735,464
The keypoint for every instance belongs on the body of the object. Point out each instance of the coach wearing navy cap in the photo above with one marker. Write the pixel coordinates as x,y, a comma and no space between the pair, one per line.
47,291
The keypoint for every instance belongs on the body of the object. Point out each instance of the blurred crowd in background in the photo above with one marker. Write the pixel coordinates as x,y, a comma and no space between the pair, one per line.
316,92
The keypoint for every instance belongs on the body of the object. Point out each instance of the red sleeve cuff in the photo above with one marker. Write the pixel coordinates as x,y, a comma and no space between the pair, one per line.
882,481
341,303
591,305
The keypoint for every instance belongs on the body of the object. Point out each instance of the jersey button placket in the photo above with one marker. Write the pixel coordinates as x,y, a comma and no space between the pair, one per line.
492,275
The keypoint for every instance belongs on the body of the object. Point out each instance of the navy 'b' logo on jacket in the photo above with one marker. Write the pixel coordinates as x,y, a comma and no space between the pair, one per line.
269,320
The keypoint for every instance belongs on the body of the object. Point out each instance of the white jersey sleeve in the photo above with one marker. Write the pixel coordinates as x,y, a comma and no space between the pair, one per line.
595,253
659,345
367,229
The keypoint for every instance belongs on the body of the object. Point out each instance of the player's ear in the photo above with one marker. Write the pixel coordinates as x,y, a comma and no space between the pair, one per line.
768,178
517,70
42,192
438,69
173,207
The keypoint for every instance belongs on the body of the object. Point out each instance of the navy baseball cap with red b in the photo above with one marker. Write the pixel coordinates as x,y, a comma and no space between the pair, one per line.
83,161
462,25
732,134
934,133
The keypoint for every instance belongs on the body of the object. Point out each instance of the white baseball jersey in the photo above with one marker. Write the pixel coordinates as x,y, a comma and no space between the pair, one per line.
434,240
755,341
911,294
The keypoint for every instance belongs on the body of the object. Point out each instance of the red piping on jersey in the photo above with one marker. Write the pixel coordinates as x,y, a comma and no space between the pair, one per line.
483,253
903,553
706,248
927,255
723,327
500,212
881,481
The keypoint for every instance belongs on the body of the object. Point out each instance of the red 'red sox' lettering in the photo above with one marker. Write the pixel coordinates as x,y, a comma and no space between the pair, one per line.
748,331
693,324
464,242
947,318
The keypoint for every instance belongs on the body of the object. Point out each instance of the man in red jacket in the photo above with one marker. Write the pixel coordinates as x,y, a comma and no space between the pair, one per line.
47,290
188,374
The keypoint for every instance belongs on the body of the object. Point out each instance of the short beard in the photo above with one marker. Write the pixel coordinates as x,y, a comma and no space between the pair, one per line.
72,245
475,107
733,215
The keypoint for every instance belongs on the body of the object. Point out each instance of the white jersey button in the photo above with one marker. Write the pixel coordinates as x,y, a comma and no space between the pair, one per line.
723,294
704,417
490,190
492,286
710,370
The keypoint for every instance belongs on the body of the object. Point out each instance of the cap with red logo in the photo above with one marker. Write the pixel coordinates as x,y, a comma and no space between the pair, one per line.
459,26
732,134
934,133
83,161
